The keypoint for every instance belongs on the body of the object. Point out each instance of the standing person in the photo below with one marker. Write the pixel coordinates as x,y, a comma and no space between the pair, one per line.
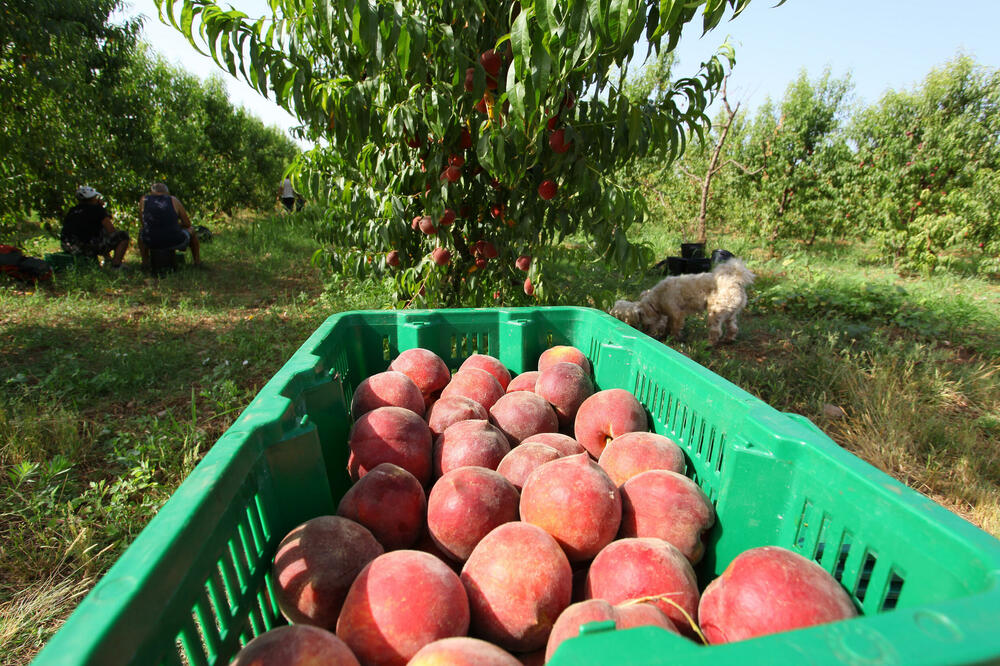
288,195
165,224
88,231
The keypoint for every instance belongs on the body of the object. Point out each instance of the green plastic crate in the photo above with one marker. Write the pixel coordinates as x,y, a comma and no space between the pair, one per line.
196,583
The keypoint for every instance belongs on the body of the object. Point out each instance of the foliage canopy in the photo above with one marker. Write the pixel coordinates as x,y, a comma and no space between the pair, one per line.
495,127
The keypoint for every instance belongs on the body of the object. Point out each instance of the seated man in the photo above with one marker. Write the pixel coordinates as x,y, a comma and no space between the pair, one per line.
87,229
165,225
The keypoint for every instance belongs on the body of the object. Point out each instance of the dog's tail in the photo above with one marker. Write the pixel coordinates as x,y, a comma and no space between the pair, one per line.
735,269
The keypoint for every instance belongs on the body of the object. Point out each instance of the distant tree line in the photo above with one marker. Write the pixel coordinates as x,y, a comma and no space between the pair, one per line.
84,101
917,173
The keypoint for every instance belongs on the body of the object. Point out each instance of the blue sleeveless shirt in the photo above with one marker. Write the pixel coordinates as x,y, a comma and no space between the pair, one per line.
160,226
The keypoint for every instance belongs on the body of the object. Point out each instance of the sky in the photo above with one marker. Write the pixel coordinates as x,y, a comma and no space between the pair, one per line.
881,44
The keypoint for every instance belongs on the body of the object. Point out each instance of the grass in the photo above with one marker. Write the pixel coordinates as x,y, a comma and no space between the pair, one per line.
116,385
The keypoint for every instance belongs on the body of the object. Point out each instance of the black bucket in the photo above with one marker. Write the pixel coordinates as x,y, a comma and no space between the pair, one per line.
698,265
692,250
684,266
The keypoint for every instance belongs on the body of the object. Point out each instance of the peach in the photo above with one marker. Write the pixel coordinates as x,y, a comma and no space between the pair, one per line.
645,567
523,382
637,452
475,384
465,505
518,581
669,506
476,443
573,500
444,412
427,370
563,354
522,414
564,444
605,415
315,565
642,614
770,589
394,435
390,502
522,460
624,616
565,386
295,645
462,651
387,389
399,603
491,365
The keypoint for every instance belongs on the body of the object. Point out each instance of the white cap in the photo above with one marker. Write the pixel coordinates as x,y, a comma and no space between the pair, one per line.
85,192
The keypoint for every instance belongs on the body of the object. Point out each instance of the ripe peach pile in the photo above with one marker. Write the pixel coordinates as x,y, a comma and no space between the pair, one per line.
492,516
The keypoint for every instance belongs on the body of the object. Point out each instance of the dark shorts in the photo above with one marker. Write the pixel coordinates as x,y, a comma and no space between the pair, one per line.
102,245
289,202
183,244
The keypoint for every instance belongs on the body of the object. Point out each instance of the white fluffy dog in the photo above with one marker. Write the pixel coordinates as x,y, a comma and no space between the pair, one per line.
663,308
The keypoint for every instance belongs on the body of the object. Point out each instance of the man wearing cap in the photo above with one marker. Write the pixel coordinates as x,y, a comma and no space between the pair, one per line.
88,231
165,224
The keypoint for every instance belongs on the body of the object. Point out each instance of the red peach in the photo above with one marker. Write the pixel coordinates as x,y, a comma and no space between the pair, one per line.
295,645
522,460
557,142
564,444
399,603
392,258
465,505
624,616
770,589
490,364
637,452
605,415
386,389
547,190
522,414
427,370
584,525
441,256
518,581
643,614
426,225
477,443
529,288
669,506
390,502
523,382
523,262
444,412
315,564
474,384
447,218
462,651
636,568
565,386
490,62
563,354
394,435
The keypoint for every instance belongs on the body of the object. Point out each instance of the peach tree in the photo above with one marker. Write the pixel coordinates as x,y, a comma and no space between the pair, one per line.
460,141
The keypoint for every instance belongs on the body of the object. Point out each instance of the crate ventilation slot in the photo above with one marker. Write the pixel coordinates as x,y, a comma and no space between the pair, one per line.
386,348
892,594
